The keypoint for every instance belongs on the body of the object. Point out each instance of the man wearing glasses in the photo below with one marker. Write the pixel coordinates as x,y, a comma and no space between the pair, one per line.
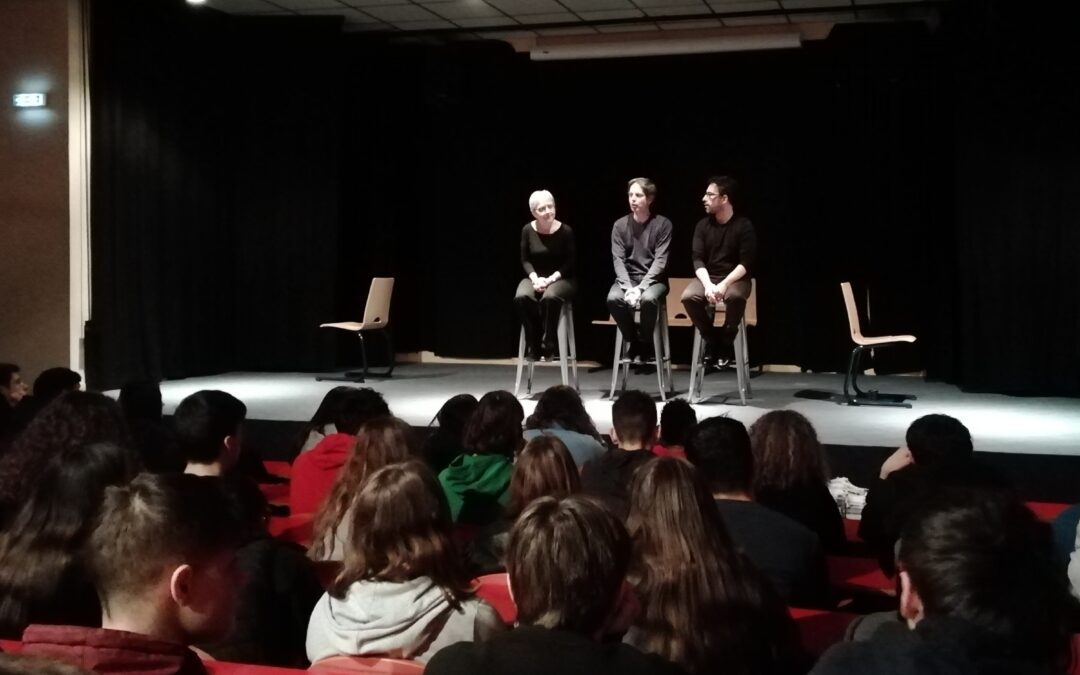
724,253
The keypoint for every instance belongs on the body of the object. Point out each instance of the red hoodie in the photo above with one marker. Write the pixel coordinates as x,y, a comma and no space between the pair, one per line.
111,651
314,472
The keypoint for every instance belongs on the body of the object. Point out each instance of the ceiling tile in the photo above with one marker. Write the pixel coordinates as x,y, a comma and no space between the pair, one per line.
689,25
628,27
515,7
811,4
486,22
364,4
364,27
506,34
463,9
881,2
596,5
557,17
303,5
583,30
745,5
831,17
611,14
684,10
242,6
430,24
356,16
396,13
755,20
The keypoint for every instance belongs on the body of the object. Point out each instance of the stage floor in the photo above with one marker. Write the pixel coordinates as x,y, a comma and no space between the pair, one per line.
1039,426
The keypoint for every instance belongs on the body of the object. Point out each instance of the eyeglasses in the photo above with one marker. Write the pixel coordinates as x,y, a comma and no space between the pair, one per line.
712,195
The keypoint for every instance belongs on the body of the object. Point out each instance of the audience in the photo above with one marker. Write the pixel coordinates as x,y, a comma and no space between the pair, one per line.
402,591
448,440
560,413
48,385
42,570
163,560
278,591
791,475
567,561
544,468
676,420
939,453
704,606
979,593
155,443
477,482
633,422
321,423
73,420
315,471
383,441
208,430
788,553
12,391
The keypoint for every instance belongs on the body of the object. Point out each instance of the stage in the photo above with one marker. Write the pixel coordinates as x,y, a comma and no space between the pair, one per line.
999,424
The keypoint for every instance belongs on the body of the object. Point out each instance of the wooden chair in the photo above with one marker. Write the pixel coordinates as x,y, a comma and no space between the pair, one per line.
863,343
376,318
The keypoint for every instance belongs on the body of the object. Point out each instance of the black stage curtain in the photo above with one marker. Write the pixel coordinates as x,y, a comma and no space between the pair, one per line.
214,191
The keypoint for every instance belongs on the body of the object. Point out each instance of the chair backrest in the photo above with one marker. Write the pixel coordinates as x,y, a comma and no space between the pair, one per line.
366,664
495,590
751,305
675,310
852,311
377,309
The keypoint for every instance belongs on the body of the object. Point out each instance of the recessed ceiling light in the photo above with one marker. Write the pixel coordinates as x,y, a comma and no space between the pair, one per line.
196,2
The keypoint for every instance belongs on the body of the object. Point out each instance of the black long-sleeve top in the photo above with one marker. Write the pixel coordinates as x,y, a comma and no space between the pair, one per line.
720,248
639,251
546,254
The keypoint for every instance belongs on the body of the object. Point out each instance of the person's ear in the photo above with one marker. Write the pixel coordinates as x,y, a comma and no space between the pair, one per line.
232,449
180,585
911,604
614,437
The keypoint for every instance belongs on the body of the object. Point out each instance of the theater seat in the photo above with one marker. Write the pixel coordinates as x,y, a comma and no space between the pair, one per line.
279,469
296,528
861,574
495,589
366,664
820,629
1047,511
229,668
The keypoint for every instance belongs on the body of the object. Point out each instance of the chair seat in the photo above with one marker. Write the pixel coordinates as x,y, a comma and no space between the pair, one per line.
353,326
864,341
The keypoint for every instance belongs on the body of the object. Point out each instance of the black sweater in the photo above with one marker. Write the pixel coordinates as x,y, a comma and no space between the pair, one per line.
546,254
720,248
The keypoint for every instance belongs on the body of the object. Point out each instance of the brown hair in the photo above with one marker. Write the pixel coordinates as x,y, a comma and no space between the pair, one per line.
382,441
494,428
402,530
786,452
647,186
567,560
633,415
543,469
704,607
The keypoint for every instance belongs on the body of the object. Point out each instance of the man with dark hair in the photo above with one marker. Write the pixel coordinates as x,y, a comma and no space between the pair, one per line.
788,553
567,561
141,402
725,253
980,592
676,420
939,453
207,426
162,558
315,471
633,432
12,391
639,251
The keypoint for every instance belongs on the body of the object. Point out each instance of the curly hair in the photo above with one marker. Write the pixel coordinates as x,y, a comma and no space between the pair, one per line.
72,420
787,452
382,441
561,406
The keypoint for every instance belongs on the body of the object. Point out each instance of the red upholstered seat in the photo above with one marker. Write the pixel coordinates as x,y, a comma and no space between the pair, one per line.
281,469
859,574
819,628
295,528
495,589
1047,511
366,664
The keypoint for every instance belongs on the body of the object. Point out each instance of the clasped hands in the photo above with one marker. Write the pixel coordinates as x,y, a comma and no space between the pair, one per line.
540,284
714,293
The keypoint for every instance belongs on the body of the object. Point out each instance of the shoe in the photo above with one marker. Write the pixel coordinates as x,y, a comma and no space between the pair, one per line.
633,352
547,352
530,353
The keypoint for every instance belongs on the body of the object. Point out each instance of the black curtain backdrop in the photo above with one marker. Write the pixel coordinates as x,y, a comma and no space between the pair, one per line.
934,169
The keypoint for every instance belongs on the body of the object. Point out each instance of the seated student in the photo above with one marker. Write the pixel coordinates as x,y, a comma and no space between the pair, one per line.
789,554
49,385
73,420
544,468
791,475
141,402
163,560
382,441
676,420
477,482
704,606
12,391
979,593
278,591
42,570
314,472
567,560
633,432
448,440
208,425
561,413
402,591
939,453
321,423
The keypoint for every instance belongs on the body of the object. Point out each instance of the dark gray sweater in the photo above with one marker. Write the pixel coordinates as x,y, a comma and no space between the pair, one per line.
640,250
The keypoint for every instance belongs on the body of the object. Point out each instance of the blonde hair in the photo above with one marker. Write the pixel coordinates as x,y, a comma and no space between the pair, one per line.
536,198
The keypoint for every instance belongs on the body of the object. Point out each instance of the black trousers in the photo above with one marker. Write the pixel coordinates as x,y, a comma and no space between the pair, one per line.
623,313
699,309
539,313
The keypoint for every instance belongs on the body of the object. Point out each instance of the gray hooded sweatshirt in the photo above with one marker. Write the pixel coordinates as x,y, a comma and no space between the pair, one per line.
407,620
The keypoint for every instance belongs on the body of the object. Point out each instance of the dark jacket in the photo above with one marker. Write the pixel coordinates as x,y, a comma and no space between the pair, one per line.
608,477
814,507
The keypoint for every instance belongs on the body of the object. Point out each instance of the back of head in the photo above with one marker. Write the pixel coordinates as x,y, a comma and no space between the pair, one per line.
720,449
633,416
939,440
786,451
544,468
148,528
455,413
357,407
141,400
402,530
561,406
53,382
567,559
983,557
676,420
495,426
202,422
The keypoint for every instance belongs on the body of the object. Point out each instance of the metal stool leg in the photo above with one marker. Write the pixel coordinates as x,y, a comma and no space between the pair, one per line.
616,363
670,378
740,362
573,345
695,366
564,356
520,362
658,350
